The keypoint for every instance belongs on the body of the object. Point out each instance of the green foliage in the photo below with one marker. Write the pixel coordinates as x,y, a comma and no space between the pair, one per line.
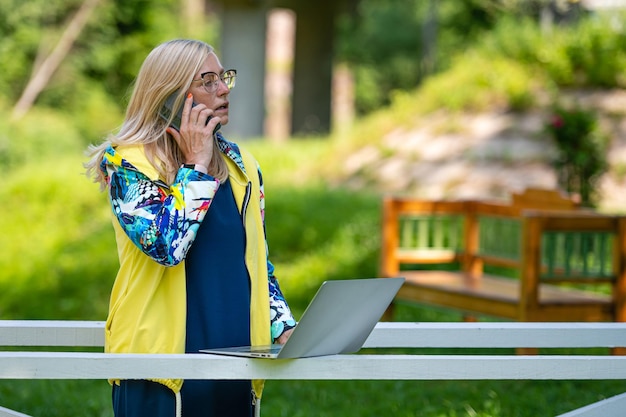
317,233
366,40
98,113
591,52
597,54
386,42
510,67
39,135
25,27
476,83
103,62
56,236
581,151
56,243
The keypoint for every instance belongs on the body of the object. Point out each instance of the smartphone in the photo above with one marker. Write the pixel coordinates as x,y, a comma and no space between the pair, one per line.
167,110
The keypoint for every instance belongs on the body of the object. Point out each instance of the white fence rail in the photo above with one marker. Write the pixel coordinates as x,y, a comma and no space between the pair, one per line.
85,365
385,335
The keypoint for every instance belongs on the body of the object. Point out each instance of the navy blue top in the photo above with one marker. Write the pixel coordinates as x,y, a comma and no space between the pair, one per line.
218,286
218,305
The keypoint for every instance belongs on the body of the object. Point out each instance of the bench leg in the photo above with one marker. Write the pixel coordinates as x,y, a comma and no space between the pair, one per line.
621,351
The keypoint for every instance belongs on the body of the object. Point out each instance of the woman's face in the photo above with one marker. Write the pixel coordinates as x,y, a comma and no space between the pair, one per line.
215,100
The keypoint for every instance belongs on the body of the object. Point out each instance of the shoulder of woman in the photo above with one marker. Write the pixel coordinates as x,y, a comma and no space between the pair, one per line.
136,156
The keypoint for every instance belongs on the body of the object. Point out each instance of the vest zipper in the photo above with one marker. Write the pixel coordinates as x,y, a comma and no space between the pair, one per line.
246,201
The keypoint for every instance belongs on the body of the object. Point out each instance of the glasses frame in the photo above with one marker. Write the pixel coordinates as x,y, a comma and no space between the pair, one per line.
211,86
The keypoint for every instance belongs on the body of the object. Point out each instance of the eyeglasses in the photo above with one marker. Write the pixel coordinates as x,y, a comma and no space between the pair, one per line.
210,80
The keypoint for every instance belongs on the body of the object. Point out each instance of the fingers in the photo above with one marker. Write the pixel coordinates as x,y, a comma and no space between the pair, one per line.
174,133
212,124
194,137
187,105
199,116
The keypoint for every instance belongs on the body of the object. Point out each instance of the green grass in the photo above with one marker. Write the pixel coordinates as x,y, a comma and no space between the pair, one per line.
344,398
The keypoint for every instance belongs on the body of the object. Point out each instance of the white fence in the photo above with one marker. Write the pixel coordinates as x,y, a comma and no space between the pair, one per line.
84,365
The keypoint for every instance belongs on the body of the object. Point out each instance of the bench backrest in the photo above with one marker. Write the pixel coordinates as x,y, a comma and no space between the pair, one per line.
552,242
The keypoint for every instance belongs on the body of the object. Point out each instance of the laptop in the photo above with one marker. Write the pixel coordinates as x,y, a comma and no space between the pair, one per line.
339,319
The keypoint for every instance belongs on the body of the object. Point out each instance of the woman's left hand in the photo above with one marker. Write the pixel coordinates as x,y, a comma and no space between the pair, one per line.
282,339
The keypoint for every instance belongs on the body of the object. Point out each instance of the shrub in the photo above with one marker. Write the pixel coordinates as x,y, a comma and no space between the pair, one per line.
581,151
591,52
41,135
478,82
58,259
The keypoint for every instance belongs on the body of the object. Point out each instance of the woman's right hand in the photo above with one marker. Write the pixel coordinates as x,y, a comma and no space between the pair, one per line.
195,138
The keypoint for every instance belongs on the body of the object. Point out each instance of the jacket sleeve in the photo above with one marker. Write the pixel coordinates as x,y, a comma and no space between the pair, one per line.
281,317
162,221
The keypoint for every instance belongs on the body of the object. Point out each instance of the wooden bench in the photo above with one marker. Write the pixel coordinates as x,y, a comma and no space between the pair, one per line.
535,259
25,364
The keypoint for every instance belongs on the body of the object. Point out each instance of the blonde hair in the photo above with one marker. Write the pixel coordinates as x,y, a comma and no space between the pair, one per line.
170,67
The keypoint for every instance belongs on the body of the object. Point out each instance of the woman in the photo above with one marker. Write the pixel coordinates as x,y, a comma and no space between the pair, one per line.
188,211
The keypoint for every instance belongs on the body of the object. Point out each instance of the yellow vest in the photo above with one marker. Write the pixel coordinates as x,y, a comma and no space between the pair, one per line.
147,311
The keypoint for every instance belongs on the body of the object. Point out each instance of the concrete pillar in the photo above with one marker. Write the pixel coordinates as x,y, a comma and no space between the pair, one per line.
311,111
243,48
281,24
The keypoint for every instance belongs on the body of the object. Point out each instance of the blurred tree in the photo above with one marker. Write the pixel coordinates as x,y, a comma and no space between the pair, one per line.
102,61
390,45
382,44
41,74
25,28
394,44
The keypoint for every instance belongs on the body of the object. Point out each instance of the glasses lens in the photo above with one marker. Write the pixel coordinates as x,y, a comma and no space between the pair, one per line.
229,78
210,81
